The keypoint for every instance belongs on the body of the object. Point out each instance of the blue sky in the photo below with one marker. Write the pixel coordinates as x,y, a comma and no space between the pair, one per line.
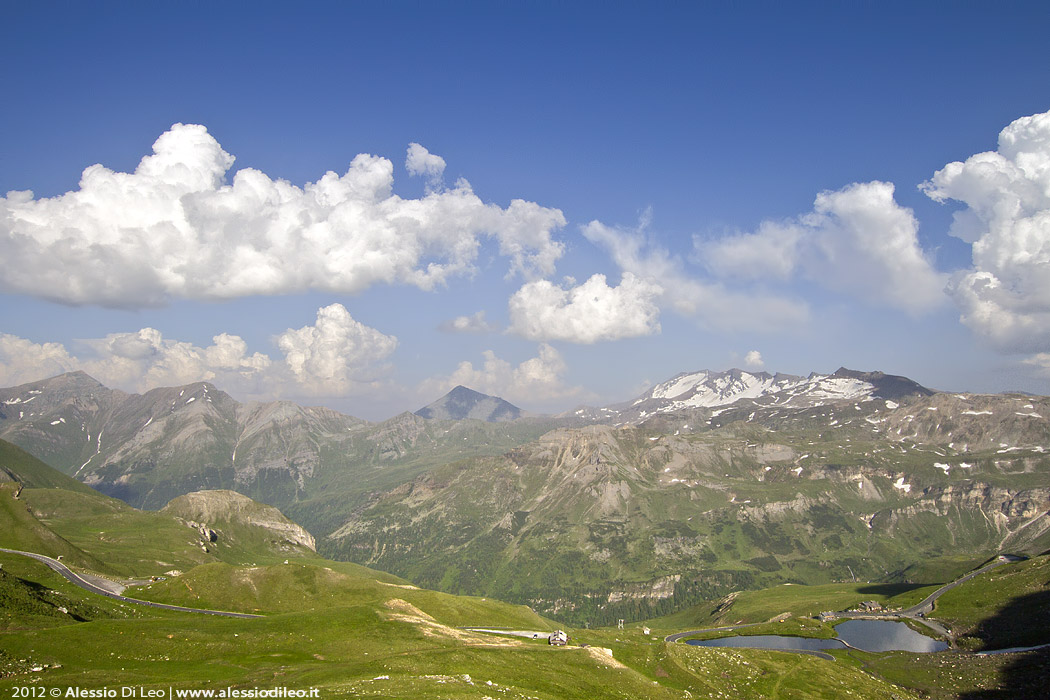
600,196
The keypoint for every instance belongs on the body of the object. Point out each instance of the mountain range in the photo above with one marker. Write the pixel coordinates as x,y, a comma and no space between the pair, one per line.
718,390
312,462
708,482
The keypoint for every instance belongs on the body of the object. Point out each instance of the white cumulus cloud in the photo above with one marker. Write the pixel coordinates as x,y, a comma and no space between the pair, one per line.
1005,296
857,241
753,360
137,361
23,361
174,229
335,356
587,313
145,359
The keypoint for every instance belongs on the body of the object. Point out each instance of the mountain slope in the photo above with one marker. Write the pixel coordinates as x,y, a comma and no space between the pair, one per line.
596,523
818,479
17,465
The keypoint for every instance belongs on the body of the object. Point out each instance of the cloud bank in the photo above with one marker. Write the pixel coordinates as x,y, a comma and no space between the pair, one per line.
173,229
337,356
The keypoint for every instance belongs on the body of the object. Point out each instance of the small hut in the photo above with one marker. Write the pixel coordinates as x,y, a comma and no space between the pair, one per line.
558,639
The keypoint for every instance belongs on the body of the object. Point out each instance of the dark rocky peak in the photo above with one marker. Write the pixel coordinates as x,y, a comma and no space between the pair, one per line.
887,386
462,403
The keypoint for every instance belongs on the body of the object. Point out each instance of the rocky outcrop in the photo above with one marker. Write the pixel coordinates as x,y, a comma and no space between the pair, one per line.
202,509
657,589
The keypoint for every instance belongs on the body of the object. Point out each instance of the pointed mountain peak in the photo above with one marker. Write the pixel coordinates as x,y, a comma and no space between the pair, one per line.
462,403
78,378
53,392
462,392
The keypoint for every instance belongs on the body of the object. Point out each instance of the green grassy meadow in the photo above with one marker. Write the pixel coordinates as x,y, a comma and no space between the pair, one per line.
350,635
379,644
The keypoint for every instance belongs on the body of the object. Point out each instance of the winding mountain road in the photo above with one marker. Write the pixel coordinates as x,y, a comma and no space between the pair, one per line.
77,580
926,605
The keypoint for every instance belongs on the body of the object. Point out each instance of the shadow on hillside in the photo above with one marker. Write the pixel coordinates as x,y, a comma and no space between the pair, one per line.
1025,621
891,589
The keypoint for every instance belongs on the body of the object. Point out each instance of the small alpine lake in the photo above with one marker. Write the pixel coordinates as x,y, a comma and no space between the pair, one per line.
866,635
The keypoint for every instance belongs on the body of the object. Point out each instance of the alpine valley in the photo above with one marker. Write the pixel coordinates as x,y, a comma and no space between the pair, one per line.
709,483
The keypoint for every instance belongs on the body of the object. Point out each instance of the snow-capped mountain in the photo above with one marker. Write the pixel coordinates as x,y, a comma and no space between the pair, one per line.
713,390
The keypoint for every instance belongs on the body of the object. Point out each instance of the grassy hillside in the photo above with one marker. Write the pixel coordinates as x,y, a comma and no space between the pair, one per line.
18,465
303,585
44,511
344,630
20,529
28,604
374,640
745,607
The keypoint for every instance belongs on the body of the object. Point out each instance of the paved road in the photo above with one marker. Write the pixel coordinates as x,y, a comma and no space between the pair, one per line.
918,612
76,580
926,605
